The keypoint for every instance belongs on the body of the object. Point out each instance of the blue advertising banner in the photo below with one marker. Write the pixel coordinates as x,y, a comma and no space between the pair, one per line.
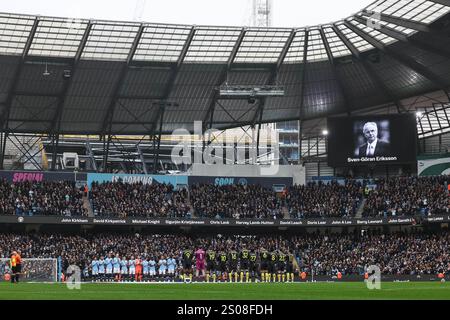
133,178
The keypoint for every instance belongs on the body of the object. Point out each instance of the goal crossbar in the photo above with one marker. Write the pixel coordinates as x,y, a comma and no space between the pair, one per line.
33,269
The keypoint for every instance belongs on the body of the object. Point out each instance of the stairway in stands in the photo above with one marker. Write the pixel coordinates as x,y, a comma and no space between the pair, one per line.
285,212
87,205
360,210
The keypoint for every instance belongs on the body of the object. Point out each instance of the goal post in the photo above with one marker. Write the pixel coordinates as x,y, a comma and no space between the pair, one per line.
33,269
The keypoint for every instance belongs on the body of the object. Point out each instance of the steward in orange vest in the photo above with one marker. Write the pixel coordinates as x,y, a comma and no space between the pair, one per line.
13,266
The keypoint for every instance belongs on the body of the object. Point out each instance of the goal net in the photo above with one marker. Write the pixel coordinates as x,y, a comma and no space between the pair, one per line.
33,269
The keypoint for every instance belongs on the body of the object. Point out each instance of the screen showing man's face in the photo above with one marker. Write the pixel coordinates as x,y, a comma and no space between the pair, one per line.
370,132
371,139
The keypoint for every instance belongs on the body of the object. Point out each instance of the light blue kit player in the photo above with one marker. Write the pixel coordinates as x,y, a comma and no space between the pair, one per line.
101,268
171,265
94,268
152,267
162,266
145,268
123,267
109,268
116,267
131,268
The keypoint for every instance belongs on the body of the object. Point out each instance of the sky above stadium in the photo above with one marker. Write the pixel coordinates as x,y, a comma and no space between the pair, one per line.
286,13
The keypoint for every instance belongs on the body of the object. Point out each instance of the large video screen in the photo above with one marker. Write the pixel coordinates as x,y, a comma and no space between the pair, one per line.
372,139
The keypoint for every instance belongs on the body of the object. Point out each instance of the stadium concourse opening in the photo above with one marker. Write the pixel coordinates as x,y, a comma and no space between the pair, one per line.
302,155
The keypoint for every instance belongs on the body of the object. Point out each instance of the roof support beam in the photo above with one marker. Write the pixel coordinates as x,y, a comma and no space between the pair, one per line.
286,49
348,104
272,78
379,84
91,155
106,126
56,121
386,30
223,78
437,117
158,148
54,95
107,122
443,2
176,68
347,42
305,63
438,50
418,26
141,156
173,77
3,137
106,144
403,59
15,81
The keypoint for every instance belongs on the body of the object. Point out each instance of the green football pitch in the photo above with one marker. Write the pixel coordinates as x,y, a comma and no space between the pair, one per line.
227,291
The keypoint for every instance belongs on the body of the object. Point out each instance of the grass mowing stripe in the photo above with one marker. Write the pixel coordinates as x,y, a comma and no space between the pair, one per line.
228,291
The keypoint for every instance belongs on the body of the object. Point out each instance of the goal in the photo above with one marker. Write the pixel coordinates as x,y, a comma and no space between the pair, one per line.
33,269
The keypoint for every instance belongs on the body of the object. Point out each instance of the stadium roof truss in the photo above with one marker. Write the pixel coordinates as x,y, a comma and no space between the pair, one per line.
125,78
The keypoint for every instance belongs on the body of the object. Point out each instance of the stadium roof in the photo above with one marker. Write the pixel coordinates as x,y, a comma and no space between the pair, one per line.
125,77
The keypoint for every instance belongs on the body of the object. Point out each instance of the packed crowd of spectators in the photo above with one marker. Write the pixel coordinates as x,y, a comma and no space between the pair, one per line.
118,199
408,196
412,254
41,198
397,196
396,254
319,200
236,201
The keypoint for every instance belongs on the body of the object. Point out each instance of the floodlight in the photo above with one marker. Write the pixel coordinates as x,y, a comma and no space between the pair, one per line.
251,91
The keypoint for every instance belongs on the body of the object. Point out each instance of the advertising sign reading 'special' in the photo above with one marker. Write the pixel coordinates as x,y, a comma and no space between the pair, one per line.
27,176
40,176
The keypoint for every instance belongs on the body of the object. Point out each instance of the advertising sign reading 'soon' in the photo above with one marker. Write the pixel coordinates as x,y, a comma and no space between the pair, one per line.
379,139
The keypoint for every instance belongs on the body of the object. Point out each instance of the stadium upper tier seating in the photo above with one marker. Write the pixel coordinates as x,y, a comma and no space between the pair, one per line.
236,201
41,198
117,199
324,200
390,197
407,254
407,196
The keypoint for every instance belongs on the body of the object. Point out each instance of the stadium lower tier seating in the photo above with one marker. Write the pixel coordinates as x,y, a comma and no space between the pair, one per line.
397,196
395,254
